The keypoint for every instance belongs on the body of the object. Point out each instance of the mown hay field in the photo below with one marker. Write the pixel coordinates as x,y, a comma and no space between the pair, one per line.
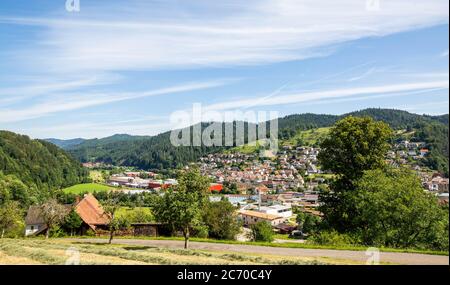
58,251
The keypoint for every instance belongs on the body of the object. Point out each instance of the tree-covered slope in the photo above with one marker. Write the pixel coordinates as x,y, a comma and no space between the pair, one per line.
158,153
37,163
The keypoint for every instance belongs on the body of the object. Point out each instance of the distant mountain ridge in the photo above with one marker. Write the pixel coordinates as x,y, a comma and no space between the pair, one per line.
65,143
156,152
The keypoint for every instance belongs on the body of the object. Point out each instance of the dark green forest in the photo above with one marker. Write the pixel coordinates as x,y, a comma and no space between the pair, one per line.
158,153
37,164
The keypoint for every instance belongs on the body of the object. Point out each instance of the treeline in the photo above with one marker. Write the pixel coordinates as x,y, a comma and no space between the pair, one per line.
151,153
158,153
38,165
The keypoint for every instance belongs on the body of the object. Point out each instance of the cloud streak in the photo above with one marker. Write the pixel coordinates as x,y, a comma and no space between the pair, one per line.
328,94
262,31
70,103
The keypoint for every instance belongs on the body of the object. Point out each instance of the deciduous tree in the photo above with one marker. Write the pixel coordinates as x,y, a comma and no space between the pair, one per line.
53,214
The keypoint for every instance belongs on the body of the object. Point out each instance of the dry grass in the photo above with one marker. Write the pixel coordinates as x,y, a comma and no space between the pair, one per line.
15,260
35,251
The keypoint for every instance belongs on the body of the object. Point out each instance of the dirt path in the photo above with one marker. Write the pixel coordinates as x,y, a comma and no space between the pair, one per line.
359,256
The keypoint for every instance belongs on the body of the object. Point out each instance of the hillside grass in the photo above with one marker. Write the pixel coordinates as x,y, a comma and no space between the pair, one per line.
88,187
247,148
287,244
57,252
308,137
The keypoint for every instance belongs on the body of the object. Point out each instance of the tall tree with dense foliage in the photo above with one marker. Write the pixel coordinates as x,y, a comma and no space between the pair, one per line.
353,146
53,214
181,207
394,211
221,220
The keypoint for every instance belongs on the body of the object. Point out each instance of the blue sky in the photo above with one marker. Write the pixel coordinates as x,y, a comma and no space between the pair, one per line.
125,68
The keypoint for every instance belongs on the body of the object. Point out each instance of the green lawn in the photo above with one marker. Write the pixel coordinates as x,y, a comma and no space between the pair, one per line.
89,187
141,214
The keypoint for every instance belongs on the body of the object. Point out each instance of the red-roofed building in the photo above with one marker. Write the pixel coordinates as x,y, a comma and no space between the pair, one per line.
216,187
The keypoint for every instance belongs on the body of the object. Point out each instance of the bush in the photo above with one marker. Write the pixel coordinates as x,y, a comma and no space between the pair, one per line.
90,233
57,232
262,231
221,221
332,238
200,231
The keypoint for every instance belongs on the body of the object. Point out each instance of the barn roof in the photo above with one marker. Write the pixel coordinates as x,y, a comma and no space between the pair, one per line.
34,216
91,212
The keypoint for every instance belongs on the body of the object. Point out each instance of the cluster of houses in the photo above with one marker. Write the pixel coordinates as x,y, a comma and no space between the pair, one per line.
437,185
248,171
405,151
134,180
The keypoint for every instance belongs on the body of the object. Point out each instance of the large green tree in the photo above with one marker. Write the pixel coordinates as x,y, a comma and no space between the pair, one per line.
221,220
394,210
354,145
181,206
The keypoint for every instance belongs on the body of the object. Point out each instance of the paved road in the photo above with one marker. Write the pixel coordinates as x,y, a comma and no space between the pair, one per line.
359,256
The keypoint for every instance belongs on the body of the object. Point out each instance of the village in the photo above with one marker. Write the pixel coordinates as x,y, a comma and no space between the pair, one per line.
261,189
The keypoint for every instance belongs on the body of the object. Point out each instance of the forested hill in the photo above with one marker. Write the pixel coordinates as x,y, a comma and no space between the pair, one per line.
65,143
158,153
38,164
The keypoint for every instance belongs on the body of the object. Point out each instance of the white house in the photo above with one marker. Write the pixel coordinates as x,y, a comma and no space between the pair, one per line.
284,211
252,217
34,222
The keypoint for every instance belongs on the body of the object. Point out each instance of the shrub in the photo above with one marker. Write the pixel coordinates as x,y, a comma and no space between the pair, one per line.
262,231
332,238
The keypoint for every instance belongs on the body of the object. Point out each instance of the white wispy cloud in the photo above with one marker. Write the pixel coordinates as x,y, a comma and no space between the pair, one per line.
327,94
144,125
45,87
254,32
69,102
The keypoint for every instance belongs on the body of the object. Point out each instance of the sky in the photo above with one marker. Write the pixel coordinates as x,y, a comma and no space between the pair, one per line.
127,66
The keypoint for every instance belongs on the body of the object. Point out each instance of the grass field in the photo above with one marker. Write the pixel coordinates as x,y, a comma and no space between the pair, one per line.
287,244
55,251
88,187
309,137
